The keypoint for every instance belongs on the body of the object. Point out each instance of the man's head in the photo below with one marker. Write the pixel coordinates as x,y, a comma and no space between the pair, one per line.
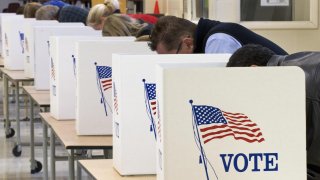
30,9
48,12
173,35
250,55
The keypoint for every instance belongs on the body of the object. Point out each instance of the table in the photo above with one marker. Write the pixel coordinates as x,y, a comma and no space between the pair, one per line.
42,99
65,131
15,77
102,169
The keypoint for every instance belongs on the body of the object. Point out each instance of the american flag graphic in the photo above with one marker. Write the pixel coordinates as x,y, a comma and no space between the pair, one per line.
104,82
53,74
214,123
151,95
104,74
21,37
115,99
151,104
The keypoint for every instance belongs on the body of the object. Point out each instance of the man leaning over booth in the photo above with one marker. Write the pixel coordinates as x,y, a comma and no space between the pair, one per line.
256,55
173,35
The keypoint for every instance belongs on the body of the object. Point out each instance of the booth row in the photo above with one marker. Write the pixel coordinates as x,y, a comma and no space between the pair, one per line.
175,116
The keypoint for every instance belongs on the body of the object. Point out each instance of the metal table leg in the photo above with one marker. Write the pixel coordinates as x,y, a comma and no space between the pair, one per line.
78,171
17,149
45,150
9,131
52,155
36,166
71,164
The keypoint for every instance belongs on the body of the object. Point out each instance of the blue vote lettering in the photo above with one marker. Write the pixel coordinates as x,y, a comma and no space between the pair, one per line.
242,161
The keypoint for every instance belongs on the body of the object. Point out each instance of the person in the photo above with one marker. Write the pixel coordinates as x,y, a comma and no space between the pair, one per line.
309,62
65,14
20,10
58,3
73,14
47,12
176,35
30,9
115,3
98,13
123,25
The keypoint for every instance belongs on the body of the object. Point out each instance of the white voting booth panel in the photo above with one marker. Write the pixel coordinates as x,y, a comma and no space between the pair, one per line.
231,123
42,57
135,108
1,17
13,37
29,44
63,73
94,83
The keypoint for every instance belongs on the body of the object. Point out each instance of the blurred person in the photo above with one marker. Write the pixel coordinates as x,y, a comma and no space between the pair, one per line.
48,12
115,3
58,3
30,9
65,14
122,25
98,13
20,10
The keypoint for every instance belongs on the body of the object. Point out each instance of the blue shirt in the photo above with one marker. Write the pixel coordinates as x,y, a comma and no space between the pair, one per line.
221,43
58,3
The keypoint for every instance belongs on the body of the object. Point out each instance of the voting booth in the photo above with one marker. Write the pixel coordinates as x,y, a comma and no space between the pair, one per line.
94,83
231,123
42,57
13,38
1,17
136,108
29,42
63,71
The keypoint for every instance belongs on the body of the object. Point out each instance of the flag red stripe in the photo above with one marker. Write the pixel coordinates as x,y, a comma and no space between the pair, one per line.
239,124
107,88
236,117
213,127
153,102
105,81
237,138
235,132
108,84
235,114
242,128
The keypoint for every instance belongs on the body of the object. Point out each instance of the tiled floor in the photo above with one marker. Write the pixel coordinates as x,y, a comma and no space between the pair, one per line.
12,167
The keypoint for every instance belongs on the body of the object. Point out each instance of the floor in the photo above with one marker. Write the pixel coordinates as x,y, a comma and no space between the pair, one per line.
12,167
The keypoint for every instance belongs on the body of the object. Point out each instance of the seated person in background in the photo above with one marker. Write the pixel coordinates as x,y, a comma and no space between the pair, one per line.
58,3
30,9
309,62
98,13
65,14
123,25
176,35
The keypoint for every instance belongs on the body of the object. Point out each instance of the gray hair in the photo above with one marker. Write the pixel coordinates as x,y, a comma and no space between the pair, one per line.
47,12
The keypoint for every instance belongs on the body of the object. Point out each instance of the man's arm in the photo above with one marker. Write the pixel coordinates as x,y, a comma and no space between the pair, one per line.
221,43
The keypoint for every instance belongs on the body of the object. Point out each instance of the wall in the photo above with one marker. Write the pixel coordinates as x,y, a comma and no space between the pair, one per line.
292,40
295,40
